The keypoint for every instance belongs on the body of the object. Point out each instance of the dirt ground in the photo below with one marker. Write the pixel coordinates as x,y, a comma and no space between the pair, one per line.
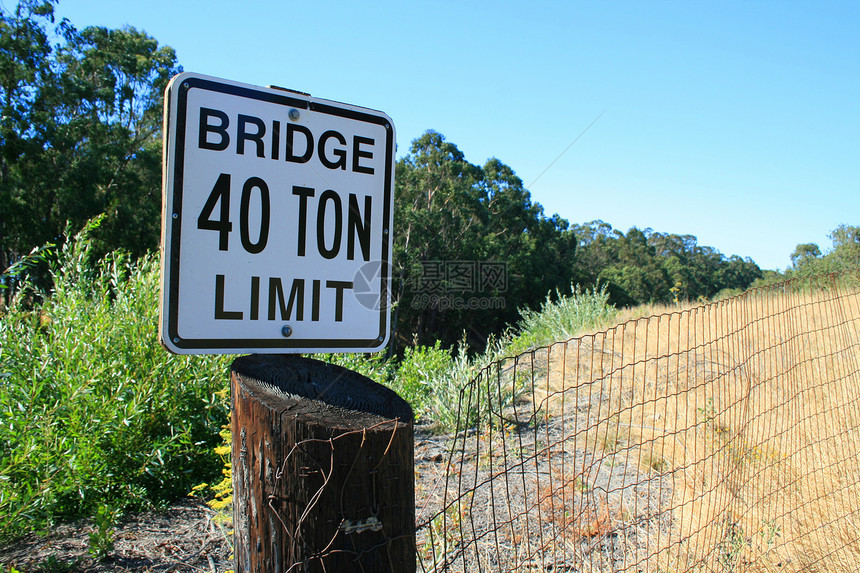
185,537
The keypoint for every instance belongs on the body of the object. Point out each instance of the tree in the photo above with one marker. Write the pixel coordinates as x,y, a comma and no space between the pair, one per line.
846,247
805,253
24,51
81,131
643,266
471,247
807,258
112,86
637,275
737,274
436,208
537,251
594,251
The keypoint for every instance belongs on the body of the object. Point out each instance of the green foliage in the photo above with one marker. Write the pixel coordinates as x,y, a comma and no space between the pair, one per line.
375,366
447,211
53,564
93,412
80,131
101,538
26,272
448,384
415,371
410,375
846,247
642,267
807,258
563,318
432,378
804,254
558,319
220,493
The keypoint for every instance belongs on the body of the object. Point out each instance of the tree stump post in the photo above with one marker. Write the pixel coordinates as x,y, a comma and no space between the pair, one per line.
322,469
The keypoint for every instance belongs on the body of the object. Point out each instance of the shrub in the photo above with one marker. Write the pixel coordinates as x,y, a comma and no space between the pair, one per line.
562,318
419,366
93,411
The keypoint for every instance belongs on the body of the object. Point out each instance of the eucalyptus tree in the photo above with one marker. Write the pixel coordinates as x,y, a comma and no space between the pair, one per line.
81,131
470,247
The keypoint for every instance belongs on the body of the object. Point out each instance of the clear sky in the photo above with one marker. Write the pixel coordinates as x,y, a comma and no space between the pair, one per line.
734,121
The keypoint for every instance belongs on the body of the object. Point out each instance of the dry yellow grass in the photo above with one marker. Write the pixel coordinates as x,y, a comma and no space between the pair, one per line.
711,438
749,407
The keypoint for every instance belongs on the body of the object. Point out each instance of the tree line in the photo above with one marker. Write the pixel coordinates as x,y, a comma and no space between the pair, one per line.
80,137
454,220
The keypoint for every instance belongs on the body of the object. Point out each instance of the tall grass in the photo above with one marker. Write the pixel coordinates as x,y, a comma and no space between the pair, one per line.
431,378
93,411
560,318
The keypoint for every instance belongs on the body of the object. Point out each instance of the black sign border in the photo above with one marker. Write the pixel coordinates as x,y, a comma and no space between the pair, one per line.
177,119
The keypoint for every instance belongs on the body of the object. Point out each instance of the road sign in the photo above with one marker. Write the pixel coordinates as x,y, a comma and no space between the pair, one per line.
276,223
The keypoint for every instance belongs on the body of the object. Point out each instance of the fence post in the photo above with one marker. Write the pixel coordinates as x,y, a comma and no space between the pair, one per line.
323,469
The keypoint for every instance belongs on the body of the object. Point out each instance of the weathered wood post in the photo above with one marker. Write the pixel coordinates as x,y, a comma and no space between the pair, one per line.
322,469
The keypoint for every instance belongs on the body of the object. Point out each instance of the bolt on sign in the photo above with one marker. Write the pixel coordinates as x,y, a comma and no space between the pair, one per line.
276,224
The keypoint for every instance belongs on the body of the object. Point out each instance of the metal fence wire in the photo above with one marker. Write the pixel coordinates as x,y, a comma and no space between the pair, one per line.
723,437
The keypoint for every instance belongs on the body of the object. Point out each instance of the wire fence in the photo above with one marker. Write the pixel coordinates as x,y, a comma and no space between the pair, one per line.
723,437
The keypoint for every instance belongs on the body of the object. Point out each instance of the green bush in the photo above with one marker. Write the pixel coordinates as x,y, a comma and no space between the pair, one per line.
374,366
562,318
410,376
557,320
93,411
419,366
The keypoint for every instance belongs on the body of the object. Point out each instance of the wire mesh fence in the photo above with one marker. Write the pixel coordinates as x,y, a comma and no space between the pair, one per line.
723,437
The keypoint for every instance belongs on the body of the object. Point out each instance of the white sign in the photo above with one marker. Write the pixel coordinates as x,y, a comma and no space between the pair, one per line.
277,218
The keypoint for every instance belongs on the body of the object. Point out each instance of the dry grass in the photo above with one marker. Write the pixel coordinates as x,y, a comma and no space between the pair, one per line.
720,437
750,406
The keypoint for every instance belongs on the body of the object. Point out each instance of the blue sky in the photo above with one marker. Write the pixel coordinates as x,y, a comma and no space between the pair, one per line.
736,122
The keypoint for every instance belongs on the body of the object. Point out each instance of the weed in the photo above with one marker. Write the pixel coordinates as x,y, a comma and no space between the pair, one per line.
419,366
676,292
562,318
457,389
708,412
102,536
732,546
51,564
770,532
222,491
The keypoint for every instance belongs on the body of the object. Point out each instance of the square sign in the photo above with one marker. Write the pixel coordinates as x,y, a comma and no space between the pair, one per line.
277,215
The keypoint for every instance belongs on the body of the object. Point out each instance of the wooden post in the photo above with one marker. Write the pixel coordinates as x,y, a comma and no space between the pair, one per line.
322,469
